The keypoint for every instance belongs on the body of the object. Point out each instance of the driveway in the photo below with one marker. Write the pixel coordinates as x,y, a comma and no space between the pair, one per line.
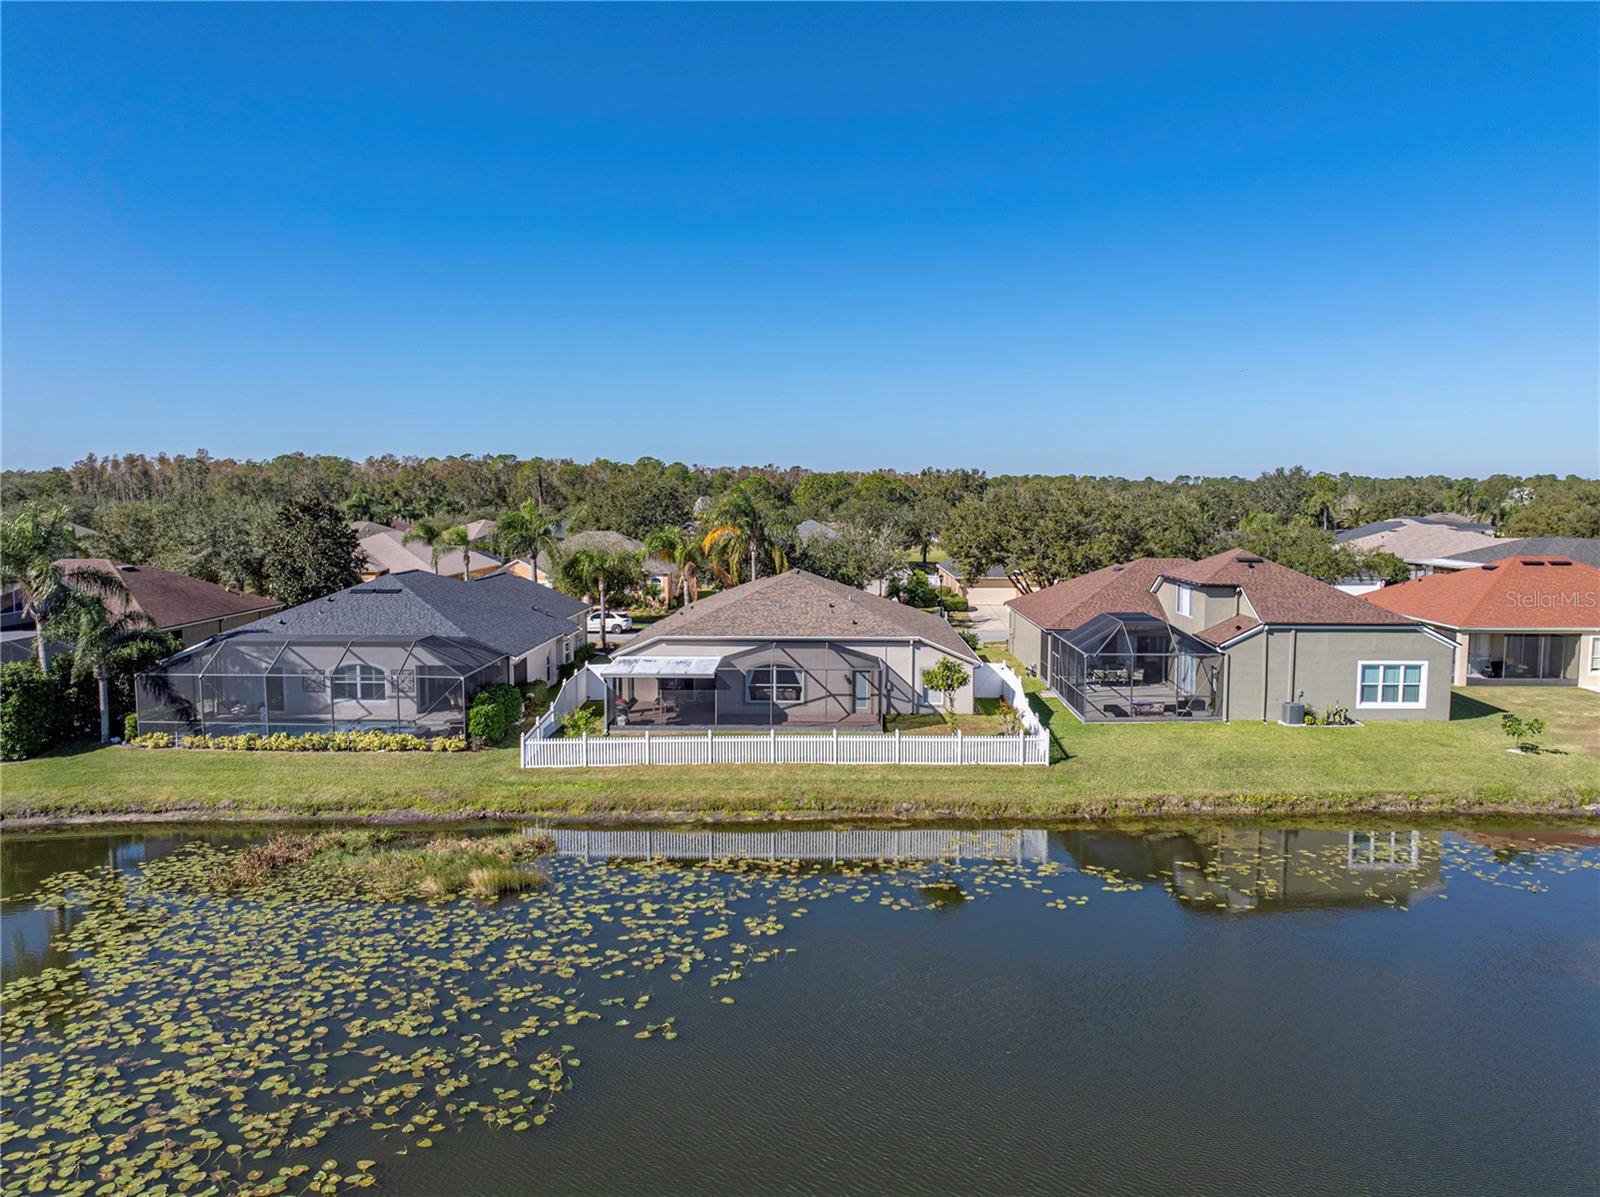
988,622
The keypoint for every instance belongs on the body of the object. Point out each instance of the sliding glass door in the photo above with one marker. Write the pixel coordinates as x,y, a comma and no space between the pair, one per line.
1522,657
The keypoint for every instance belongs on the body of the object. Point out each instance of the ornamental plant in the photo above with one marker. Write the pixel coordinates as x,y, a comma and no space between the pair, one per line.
1524,733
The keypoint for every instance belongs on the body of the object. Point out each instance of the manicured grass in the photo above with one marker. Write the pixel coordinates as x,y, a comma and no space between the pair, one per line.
1460,766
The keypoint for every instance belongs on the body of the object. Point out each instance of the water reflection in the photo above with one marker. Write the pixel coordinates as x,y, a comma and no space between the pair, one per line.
1260,869
830,846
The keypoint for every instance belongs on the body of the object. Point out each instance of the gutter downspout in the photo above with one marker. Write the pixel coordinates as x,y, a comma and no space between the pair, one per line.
1266,671
1294,661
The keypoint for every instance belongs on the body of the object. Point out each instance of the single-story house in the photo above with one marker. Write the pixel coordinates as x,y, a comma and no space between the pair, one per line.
189,608
656,570
387,552
405,652
1419,541
791,649
995,588
1585,550
1231,637
1521,621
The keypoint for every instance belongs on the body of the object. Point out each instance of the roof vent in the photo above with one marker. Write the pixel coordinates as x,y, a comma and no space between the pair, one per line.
1559,563
1250,559
1533,563
1117,569
1489,569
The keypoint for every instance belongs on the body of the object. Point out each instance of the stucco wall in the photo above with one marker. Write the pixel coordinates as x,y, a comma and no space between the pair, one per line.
1026,642
1212,605
1280,664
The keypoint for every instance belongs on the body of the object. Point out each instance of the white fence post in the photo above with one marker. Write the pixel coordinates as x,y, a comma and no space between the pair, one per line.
711,748
961,749
585,750
772,745
647,745
836,746
1022,748
897,745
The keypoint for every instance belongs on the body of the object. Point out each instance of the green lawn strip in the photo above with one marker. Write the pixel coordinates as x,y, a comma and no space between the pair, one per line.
1455,767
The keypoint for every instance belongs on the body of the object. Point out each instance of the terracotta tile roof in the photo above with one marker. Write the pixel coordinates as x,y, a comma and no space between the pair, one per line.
1279,594
801,604
1126,587
1524,592
1225,631
167,599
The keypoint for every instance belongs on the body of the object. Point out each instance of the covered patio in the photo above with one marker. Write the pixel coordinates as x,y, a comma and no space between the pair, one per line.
774,686
1133,666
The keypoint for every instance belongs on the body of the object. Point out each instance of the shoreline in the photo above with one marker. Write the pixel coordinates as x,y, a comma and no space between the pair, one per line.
1173,812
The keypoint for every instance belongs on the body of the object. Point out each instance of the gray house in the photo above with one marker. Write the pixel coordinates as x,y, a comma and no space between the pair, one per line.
1231,637
405,652
791,649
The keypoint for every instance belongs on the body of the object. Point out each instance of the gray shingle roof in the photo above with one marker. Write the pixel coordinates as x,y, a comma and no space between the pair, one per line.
508,613
801,604
1584,550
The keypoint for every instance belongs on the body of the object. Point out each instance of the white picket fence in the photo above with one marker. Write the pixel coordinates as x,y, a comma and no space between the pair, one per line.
544,748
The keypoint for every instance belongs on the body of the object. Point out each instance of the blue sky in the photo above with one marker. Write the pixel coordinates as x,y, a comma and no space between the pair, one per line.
1137,240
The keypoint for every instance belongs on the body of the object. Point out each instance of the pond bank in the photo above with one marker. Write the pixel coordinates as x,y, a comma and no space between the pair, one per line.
1169,814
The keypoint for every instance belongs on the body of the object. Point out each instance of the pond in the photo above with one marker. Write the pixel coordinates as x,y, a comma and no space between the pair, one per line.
1214,1009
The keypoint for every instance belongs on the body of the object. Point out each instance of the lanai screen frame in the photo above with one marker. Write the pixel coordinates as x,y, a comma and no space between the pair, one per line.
233,685
1120,663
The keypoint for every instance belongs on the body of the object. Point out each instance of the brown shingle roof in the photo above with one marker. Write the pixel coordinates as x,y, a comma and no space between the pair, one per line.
801,604
1234,625
1279,594
167,599
1525,592
1071,603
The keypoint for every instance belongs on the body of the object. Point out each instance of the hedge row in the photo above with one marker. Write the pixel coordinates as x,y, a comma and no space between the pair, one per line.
362,741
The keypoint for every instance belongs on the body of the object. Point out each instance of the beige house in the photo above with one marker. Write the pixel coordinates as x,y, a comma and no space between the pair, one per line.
1528,621
994,589
792,649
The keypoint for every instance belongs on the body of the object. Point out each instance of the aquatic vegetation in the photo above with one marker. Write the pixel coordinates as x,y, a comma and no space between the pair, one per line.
286,1018
383,865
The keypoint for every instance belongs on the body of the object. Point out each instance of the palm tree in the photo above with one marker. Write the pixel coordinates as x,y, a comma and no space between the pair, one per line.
32,543
739,528
683,552
100,639
594,572
439,536
527,531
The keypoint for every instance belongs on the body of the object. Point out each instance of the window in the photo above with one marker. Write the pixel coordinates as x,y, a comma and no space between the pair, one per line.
364,682
774,683
1185,600
1391,683
1594,654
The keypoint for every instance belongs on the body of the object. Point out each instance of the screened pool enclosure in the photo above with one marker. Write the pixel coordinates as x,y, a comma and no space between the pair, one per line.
1134,666
250,682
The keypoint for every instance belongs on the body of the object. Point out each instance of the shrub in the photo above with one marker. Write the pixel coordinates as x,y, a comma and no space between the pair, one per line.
1010,717
130,726
1524,733
151,740
494,712
363,741
586,720
40,710
951,601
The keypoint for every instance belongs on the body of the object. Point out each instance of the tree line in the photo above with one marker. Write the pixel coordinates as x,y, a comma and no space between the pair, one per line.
235,522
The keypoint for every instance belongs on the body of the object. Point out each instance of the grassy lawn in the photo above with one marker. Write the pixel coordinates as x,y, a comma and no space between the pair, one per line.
1460,766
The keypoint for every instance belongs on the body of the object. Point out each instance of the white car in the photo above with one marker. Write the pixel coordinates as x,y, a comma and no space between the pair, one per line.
616,621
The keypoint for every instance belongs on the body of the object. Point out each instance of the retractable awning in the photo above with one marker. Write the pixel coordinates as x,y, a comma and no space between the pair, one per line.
659,667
